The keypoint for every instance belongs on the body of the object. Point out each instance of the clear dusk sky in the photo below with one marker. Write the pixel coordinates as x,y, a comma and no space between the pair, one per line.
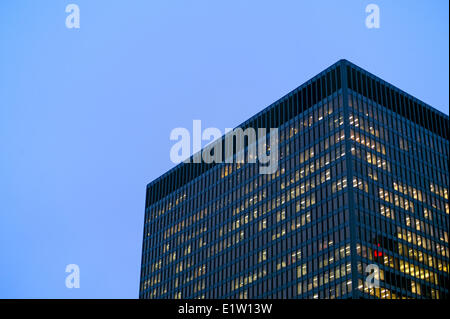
86,114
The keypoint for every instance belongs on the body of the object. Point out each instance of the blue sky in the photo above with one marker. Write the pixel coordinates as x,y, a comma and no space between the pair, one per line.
86,114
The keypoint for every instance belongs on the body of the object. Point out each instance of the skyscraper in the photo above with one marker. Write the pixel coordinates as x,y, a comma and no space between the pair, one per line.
360,194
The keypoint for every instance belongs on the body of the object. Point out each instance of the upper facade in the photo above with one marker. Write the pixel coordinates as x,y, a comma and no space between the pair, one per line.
304,97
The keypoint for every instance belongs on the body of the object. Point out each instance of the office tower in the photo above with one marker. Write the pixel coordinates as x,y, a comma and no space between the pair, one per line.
361,189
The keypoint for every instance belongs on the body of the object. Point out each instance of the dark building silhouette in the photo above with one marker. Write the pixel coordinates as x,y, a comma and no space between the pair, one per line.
362,179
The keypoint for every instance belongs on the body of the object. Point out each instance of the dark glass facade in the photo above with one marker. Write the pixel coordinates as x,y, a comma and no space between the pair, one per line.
362,179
